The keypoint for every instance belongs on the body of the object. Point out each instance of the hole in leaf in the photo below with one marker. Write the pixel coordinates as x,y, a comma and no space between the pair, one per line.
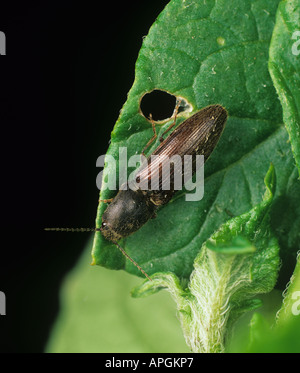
161,105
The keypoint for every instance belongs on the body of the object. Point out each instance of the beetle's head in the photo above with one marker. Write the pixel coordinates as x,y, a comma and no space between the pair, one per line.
128,211
108,231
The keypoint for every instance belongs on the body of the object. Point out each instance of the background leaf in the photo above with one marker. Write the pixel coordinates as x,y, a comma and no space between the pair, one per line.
209,52
97,315
278,333
284,65
282,336
272,340
291,302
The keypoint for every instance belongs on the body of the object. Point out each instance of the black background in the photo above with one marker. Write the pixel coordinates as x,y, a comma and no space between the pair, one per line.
63,81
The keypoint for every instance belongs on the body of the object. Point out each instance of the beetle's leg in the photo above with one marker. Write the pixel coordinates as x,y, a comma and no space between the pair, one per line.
153,137
106,200
154,215
173,124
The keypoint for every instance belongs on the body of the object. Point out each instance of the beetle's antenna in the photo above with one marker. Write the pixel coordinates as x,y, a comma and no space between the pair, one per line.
132,261
72,229
96,230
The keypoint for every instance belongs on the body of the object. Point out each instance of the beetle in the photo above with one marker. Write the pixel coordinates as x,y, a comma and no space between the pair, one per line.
132,207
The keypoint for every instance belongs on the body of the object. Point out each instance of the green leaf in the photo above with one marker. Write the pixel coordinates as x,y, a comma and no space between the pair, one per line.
291,302
265,338
223,284
97,315
208,52
238,245
279,333
284,66
258,325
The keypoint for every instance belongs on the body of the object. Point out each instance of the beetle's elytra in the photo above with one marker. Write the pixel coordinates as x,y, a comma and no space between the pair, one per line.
130,209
